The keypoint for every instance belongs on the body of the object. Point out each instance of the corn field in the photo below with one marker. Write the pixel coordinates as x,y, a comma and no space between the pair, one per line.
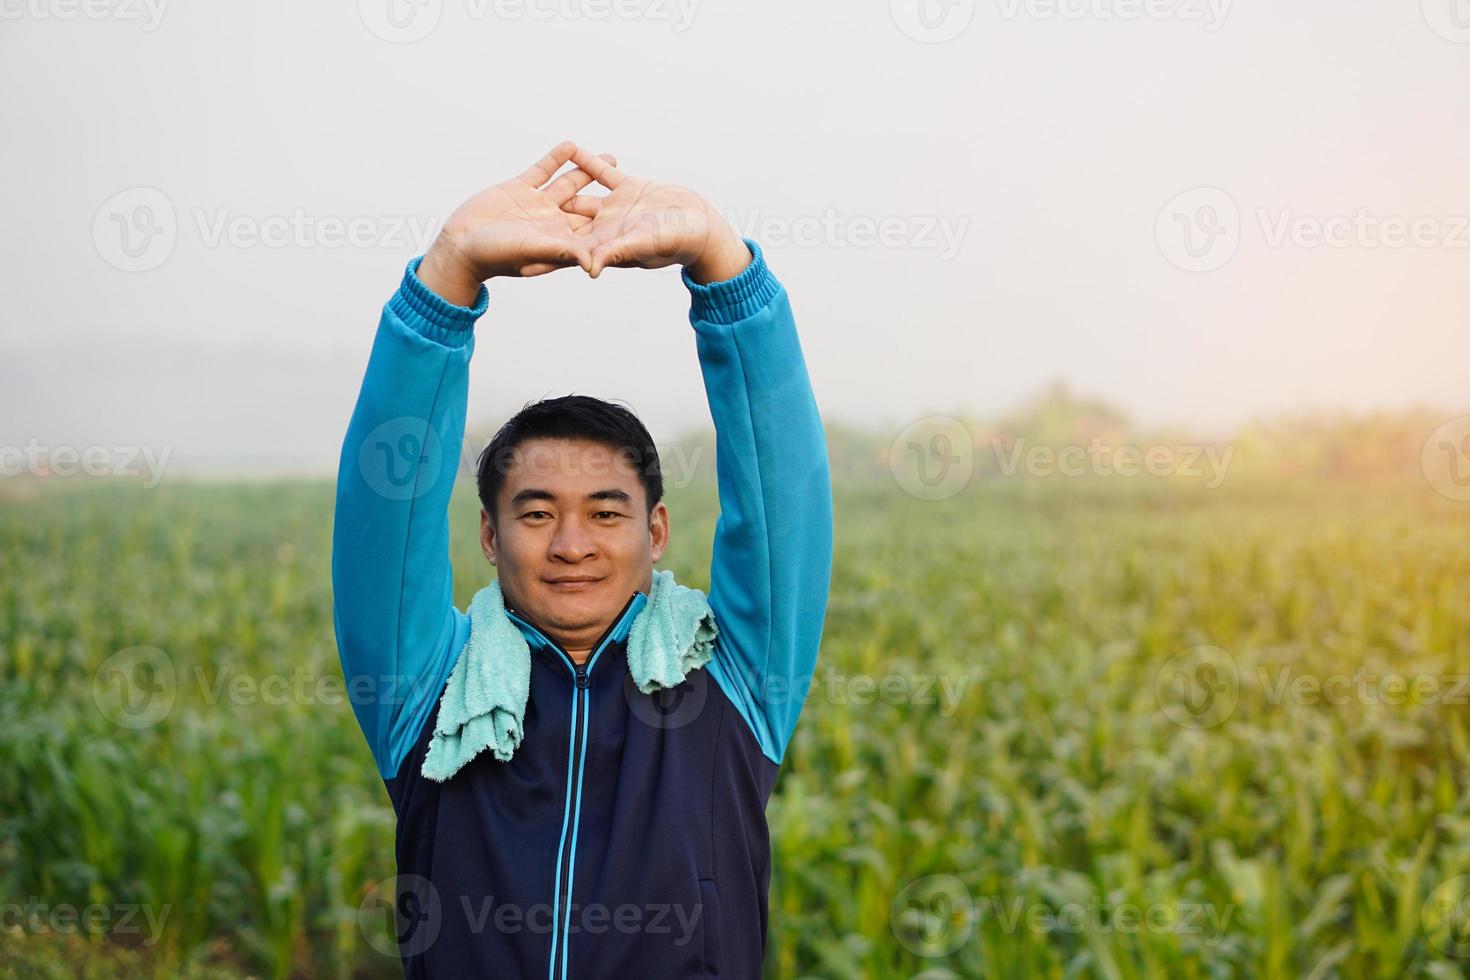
1060,728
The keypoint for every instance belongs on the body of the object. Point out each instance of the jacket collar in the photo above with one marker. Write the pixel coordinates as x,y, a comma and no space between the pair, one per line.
668,633
537,638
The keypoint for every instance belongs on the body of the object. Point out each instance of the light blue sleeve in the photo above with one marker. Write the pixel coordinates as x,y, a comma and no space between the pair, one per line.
397,629
772,562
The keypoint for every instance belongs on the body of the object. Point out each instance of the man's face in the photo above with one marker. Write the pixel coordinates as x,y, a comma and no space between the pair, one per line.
573,538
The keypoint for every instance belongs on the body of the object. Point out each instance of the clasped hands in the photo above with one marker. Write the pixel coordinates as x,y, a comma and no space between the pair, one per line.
537,223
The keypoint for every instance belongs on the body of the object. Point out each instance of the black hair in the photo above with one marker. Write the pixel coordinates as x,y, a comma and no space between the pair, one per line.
580,417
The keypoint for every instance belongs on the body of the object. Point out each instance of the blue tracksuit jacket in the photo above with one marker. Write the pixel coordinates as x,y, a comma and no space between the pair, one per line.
627,836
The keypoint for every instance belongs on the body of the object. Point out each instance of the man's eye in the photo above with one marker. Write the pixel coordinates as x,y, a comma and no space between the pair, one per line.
536,513
607,513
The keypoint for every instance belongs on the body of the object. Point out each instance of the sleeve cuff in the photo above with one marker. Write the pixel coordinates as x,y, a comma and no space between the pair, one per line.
733,300
431,314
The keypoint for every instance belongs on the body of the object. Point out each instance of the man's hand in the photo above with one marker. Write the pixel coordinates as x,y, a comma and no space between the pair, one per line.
648,225
517,228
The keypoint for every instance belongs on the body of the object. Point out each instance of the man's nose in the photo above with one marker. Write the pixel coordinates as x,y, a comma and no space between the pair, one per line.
571,541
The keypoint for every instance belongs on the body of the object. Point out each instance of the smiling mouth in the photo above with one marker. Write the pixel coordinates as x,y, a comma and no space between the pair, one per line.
572,584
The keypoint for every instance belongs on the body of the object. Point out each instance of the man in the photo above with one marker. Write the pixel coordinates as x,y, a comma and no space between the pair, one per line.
593,819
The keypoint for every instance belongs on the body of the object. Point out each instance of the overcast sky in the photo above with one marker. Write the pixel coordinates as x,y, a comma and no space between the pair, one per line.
1201,210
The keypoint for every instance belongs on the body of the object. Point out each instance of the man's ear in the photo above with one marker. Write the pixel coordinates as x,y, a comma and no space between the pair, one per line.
658,530
487,536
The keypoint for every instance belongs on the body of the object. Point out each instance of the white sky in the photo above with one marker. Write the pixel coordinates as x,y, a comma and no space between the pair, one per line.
1049,135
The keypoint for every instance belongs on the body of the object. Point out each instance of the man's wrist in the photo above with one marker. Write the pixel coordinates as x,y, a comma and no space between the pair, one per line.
431,315
445,273
725,256
732,300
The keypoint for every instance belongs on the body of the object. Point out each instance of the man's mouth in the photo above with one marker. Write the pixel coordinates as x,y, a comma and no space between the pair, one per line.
572,583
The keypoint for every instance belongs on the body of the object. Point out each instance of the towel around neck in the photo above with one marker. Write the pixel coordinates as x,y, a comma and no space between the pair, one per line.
484,702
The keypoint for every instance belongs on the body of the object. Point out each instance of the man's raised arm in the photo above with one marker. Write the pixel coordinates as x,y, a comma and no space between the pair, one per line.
772,562
397,630
396,625
773,543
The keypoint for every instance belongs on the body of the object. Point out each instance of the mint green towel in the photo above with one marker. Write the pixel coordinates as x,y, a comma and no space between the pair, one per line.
484,702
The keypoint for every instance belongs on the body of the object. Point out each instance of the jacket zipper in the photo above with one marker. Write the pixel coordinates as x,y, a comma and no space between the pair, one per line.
574,778
576,761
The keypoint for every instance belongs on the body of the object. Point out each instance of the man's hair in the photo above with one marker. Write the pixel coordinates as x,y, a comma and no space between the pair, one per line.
580,417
